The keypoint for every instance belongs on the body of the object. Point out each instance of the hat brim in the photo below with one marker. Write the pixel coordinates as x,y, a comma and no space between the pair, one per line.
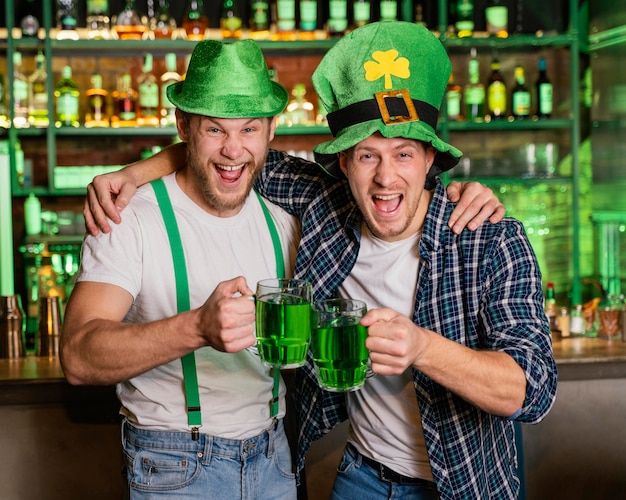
447,155
231,105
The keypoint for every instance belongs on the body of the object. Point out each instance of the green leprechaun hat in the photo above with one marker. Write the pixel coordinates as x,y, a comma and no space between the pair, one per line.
228,80
388,77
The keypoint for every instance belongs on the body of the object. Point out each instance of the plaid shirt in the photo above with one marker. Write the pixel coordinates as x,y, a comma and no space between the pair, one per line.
481,289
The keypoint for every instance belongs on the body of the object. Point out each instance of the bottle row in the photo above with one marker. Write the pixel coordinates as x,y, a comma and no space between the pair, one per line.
478,102
600,317
278,19
140,101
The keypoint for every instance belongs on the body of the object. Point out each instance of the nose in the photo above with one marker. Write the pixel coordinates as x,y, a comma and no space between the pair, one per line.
232,147
385,174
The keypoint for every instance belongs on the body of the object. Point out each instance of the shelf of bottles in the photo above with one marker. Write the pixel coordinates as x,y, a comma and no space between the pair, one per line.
303,27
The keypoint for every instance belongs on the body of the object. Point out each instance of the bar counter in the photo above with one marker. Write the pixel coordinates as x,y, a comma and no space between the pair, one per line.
40,379
576,452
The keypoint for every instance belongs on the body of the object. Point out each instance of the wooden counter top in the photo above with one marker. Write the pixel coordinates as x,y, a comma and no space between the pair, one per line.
577,358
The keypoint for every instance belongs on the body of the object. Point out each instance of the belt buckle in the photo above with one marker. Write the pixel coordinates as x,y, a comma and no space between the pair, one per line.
384,111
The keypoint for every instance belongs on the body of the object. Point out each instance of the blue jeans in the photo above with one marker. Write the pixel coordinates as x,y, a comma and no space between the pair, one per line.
356,479
166,465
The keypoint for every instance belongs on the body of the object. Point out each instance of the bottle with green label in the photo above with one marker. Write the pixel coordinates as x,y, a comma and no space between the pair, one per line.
544,91
361,12
260,19
389,10
496,92
148,91
453,100
520,96
497,18
285,19
464,24
474,94
308,19
337,23
231,19
66,97
20,93
38,94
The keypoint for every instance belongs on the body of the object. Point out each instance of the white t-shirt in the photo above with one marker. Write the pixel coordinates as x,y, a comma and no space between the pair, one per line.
385,421
235,388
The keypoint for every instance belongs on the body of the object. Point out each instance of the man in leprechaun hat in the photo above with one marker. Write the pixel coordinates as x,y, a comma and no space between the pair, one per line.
456,329
457,333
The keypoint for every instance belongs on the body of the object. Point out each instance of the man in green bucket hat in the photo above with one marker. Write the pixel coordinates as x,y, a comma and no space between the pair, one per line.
379,233
161,307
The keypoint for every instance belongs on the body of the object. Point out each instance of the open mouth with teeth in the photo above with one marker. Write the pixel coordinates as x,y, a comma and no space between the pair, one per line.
230,173
387,204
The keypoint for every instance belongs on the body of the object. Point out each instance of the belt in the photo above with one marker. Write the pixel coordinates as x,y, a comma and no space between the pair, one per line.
391,476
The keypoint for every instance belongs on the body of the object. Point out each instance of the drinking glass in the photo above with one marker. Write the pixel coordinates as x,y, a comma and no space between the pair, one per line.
338,344
283,321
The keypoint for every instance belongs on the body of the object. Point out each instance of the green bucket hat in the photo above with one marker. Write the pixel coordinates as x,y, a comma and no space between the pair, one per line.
228,80
387,77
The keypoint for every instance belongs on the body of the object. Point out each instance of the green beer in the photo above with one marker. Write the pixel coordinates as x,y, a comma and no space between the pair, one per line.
283,329
340,356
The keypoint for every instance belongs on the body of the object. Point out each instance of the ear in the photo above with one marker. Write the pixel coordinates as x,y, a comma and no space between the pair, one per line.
181,126
273,123
343,162
430,155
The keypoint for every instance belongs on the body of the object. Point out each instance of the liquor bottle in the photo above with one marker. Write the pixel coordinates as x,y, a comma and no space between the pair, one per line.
4,119
130,24
163,25
520,96
419,14
550,307
231,19
171,75
148,96
98,19
308,19
299,110
195,22
260,19
474,92
67,19
464,24
38,94
96,115
337,23
285,20
544,92
496,92
124,103
29,16
388,10
361,13
66,96
497,18
20,93
453,100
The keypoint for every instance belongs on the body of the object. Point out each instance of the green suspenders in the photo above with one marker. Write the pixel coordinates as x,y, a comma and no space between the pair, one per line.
190,375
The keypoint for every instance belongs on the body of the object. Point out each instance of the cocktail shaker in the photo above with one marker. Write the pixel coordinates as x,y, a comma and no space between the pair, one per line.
11,327
49,326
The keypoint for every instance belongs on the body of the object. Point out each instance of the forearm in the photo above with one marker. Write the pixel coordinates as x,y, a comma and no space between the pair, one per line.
102,352
490,380
163,163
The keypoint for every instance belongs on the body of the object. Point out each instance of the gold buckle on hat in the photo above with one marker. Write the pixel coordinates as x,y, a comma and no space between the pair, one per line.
384,111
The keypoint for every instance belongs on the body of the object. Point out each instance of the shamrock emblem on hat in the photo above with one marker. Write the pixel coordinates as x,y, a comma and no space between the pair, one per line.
386,64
